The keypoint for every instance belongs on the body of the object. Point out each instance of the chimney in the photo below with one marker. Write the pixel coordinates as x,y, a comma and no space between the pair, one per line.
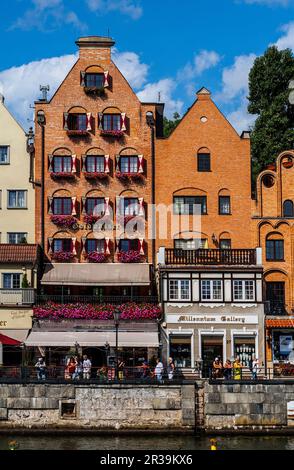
95,48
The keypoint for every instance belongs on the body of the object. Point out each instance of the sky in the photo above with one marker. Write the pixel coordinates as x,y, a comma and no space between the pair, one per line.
168,47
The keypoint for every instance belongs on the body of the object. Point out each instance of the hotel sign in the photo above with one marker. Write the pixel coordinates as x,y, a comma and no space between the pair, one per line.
15,319
211,319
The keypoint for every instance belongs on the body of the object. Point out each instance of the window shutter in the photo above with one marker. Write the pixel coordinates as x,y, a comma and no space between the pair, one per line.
50,167
117,247
107,246
106,205
74,205
106,79
74,164
50,245
74,245
141,246
89,121
141,162
141,205
65,121
83,74
50,203
100,121
84,157
83,245
84,202
106,166
117,169
123,120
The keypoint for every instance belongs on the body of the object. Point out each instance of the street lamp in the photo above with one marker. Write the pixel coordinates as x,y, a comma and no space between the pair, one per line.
116,315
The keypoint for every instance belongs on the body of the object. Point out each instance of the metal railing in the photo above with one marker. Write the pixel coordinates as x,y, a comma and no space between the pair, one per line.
97,375
95,299
17,296
275,307
210,256
279,371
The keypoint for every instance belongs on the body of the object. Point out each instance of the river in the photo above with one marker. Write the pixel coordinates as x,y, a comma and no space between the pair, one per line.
146,442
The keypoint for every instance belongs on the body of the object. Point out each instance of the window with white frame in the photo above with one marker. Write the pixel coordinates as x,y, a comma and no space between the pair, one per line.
179,289
17,199
17,237
191,244
4,154
11,280
211,289
244,290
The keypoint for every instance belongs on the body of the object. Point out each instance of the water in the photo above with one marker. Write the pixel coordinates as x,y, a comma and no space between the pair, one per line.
147,442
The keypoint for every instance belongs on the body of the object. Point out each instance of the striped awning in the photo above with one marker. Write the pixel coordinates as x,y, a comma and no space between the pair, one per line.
279,322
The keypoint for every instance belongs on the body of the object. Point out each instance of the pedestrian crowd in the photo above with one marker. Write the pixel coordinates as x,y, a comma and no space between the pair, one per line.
233,369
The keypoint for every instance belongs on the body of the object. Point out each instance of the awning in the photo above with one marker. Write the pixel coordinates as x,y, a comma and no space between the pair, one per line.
279,322
18,335
92,338
8,341
95,274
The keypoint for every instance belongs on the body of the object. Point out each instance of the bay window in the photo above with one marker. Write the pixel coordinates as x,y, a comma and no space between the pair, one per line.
179,289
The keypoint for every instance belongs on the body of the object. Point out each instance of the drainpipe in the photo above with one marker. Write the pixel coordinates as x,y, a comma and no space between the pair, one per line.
151,123
42,122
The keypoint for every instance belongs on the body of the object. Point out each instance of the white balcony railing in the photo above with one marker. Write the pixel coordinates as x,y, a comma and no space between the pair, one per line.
17,296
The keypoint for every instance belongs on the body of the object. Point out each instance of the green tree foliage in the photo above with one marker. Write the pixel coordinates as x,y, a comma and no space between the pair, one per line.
170,124
269,92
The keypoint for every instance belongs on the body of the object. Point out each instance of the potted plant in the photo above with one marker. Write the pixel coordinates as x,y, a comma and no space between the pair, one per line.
62,255
68,221
131,256
95,257
24,282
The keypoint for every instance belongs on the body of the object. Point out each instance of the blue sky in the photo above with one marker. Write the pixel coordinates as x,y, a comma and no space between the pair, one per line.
169,47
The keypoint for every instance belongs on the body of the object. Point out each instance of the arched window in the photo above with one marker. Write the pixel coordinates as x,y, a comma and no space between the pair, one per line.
288,209
203,160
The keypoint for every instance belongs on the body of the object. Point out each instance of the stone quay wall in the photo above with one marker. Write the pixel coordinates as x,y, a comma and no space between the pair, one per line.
247,406
73,406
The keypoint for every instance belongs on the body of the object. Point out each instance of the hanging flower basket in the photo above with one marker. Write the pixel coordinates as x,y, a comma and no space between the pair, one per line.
95,175
112,133
128,311
62,175
68,221
131,256
62,256
95,257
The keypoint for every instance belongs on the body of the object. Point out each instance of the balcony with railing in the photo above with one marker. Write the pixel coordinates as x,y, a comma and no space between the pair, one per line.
17,296
231,257
278,308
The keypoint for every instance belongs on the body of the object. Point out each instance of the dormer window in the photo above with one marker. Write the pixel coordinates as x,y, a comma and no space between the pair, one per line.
94,80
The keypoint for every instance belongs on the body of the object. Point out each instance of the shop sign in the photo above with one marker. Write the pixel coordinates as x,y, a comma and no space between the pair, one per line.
219,318
15,319
286,344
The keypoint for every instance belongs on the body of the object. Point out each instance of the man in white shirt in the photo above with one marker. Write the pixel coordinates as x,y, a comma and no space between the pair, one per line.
158,371
87,365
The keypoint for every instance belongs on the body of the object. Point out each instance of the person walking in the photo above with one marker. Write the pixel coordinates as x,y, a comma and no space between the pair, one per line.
41,368
170,368
158,371
87,366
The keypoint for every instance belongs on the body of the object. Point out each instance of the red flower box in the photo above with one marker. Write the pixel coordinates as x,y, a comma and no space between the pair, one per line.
63,175
77,132
112,133
68,221
91,219
131,256
62,255
95,257
95,175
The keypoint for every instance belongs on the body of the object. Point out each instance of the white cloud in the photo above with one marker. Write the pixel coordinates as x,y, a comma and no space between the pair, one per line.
20,85
165,87
287,40
240,119
235,78
47,15
202,61
130,66
128,7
